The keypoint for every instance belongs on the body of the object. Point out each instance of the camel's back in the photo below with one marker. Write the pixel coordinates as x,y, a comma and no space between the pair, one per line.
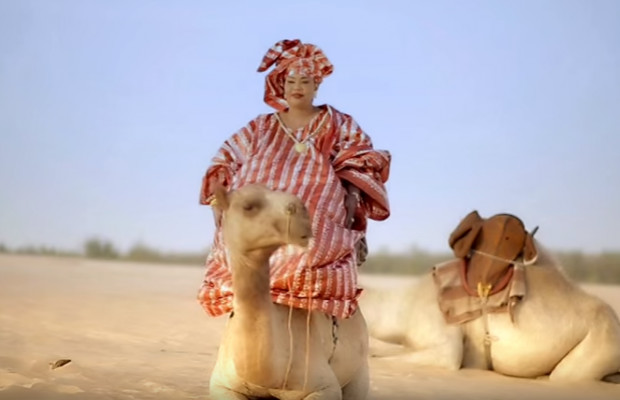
387,311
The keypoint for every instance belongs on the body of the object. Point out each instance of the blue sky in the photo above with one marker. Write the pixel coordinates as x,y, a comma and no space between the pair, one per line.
110,112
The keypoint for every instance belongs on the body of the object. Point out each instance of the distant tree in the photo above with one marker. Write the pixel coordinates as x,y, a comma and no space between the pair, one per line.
141,252
414,262
196,258
3,248
97,248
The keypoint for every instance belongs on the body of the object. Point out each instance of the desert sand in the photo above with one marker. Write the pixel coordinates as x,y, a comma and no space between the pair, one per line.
136,331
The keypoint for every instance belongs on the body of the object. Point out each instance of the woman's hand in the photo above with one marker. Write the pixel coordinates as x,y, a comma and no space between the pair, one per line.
217,213
217,216
361,248
351,202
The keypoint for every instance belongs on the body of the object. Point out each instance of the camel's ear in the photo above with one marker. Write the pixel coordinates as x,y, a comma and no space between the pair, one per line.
464,235
530,253
221,197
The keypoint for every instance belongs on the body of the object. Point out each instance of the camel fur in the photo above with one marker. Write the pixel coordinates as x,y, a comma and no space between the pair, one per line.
258,358
555,329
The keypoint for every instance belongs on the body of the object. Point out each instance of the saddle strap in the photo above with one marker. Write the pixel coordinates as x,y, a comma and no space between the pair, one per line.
483,292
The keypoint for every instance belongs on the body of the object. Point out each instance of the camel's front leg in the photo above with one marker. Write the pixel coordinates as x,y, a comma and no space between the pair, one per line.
217,392
220,385
597,355
446,357
443,350
328,393
357,388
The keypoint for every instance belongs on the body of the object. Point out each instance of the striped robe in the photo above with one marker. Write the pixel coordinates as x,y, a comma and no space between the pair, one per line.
326,274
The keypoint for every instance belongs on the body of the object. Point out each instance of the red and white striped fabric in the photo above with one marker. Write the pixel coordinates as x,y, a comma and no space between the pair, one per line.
326,274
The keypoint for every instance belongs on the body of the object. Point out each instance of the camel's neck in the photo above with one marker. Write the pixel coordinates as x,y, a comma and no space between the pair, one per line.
251,288
252,322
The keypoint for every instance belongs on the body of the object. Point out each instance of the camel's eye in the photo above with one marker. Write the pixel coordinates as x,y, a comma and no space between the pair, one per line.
251,205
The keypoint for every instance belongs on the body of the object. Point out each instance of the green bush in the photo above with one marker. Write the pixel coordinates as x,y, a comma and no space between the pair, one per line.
97,248
582,267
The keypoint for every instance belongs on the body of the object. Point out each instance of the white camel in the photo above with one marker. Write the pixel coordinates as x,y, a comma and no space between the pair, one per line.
265,351
504,304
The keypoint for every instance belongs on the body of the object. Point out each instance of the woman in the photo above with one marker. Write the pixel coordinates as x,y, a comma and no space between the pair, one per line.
322,156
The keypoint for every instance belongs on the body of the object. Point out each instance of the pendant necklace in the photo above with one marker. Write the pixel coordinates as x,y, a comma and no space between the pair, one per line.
300,145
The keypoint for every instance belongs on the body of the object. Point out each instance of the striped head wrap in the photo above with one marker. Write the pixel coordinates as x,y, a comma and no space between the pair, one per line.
291,57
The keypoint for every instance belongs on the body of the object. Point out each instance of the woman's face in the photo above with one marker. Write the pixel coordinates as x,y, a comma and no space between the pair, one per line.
299,90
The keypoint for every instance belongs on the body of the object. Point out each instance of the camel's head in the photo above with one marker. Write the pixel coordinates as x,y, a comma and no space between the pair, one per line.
503,236
256,218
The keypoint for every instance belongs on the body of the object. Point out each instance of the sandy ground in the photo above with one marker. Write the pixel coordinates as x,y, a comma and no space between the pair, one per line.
135,331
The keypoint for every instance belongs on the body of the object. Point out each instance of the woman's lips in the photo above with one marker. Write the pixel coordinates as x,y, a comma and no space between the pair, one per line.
297,95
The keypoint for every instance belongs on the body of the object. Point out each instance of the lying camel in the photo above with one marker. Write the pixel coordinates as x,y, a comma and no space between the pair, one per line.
270,350
504,304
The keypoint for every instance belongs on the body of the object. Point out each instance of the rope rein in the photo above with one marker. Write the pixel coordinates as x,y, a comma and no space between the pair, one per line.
334,328
290,211
483,293
507,261
309,313
289,365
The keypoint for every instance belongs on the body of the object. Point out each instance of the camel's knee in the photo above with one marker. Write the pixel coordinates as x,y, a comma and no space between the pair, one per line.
358,387
217,392
330,393
593,370
587,361
220,388
597,355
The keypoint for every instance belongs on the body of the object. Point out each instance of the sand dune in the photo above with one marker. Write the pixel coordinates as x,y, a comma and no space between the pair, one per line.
135,331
